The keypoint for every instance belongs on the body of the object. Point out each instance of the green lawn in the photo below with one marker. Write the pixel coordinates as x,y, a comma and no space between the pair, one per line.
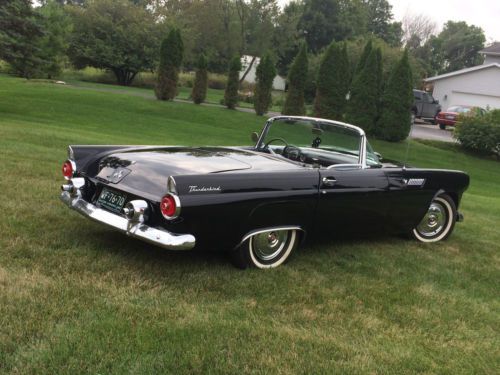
76,297
213,96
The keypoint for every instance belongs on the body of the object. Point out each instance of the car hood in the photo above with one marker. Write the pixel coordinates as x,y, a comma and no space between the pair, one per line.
146,170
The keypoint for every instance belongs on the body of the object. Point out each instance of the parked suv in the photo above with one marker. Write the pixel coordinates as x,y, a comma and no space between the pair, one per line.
424,106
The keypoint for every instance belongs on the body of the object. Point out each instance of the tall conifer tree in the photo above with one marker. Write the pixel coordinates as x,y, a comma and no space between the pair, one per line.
332,83
294,102
394,124
199,92
171,54
233,81
266,71
363,105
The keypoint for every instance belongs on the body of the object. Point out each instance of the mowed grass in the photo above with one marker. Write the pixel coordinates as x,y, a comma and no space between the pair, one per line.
76,297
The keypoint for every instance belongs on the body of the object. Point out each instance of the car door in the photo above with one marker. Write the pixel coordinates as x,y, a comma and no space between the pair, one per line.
418,102
352,200
429,107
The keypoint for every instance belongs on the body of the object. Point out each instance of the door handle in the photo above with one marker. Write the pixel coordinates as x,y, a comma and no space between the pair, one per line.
329,181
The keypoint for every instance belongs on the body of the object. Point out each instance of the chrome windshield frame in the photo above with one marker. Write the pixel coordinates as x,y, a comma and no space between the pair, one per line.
362,144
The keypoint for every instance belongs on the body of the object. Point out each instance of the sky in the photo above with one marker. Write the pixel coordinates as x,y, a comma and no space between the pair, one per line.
482,13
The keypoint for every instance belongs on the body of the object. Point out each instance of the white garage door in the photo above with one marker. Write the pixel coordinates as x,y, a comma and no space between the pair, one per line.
483,101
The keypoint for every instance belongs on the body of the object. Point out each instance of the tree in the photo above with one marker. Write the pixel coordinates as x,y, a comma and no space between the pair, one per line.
55,42
363,104
287,39
294,102
199,91
115,35
456,47
321,23
231,93
265,74
171,53
394,123
379,22
364,56
332,83
20,33
417,30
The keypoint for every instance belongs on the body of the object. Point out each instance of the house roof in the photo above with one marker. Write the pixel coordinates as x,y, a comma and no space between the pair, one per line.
494,49
462,71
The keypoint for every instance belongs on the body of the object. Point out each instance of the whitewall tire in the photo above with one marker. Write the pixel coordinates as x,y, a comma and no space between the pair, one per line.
438,222
267,249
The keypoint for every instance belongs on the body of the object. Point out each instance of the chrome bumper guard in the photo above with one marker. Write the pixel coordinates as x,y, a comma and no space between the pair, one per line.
71,196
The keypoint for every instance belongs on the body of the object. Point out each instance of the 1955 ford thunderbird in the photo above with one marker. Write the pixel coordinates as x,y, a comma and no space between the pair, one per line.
303,177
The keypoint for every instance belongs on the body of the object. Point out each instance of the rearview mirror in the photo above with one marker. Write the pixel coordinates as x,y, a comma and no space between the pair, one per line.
255,136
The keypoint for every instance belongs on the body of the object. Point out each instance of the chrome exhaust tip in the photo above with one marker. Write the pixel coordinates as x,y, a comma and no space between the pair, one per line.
136,211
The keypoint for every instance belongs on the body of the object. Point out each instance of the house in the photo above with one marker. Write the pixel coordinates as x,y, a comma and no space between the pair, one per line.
249,68
476,86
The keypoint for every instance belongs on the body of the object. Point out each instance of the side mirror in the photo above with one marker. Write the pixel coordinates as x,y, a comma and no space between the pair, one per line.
378,155
436,101
255,137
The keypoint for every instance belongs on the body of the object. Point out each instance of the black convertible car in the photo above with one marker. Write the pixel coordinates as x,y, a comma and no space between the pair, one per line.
304,177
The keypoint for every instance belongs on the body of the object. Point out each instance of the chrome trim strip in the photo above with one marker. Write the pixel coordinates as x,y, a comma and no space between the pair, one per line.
156,236
264,230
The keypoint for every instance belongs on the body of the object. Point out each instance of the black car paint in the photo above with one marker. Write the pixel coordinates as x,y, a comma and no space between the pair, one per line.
240,190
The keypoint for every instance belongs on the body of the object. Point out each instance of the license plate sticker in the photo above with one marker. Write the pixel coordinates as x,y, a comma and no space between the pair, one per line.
111,200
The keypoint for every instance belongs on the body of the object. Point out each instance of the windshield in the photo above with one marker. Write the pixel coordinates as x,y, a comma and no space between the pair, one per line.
459,109
311,141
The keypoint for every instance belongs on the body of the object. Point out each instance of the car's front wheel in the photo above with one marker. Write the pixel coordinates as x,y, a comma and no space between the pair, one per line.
266,249
438,222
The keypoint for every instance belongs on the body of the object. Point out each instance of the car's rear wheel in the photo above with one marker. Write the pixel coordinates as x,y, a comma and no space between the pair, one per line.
442,126
266,249
438,222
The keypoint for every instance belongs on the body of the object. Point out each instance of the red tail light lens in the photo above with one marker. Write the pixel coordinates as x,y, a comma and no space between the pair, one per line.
67,169
169,206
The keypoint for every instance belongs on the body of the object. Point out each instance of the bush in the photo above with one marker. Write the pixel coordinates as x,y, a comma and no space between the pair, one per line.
217,81
479,133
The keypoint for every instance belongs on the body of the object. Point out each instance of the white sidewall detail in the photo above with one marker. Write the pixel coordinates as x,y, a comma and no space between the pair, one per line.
282,258
447,228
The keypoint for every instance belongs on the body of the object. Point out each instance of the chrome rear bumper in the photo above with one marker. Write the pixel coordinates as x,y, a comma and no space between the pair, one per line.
156,236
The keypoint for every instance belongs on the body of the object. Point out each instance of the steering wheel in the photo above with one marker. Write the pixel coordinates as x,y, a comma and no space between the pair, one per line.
266,146
292,152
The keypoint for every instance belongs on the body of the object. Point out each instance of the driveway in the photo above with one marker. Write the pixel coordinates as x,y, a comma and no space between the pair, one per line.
425,131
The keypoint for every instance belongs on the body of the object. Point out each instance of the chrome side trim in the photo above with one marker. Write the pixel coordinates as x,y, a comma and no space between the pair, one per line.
265,230
156,236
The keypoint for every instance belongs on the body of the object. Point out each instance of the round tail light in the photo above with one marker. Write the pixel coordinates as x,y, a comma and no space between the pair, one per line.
68,169
170,206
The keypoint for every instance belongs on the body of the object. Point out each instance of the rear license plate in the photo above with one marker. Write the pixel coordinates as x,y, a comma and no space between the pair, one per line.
111,200
450,117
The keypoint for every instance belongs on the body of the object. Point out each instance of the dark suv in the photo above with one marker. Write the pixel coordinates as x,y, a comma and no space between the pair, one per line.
424,106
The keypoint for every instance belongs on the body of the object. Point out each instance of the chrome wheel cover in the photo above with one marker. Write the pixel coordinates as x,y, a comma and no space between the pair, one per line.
434,220
268,245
